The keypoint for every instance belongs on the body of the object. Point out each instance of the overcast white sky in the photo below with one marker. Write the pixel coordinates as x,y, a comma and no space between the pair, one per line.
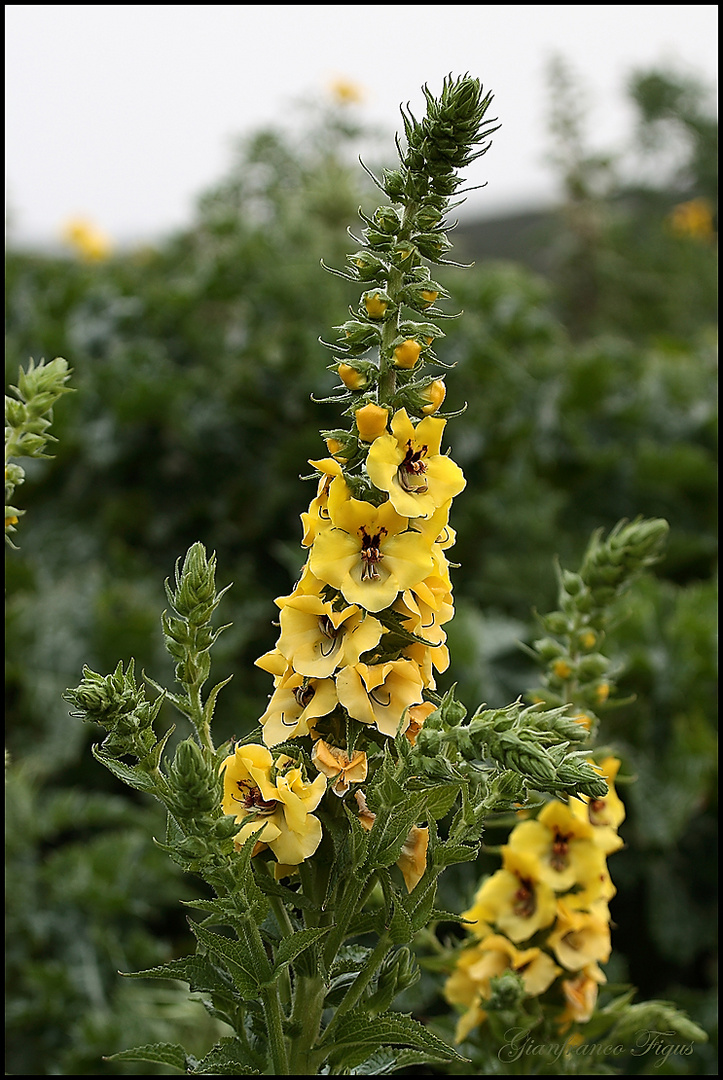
125,113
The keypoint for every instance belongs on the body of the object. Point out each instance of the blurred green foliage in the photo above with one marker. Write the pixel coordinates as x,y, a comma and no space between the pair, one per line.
591,396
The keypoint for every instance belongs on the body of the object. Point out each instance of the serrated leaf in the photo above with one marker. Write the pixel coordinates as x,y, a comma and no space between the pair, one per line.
234,956
131,775
400,925
171,1054
210,705
200,974
391,829
229,1057
292,946
354,1033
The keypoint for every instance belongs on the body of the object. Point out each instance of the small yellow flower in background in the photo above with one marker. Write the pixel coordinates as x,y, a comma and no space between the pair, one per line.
87,240
579,938
562,669
515,898
336,764
693,218
371,421
409,465
580,996
413,859
435,394
346,92
602,692
278,809
476,966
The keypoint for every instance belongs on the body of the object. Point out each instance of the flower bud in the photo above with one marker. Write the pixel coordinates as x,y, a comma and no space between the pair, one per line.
371,421
434,395
376,304
407,354
353,379
387,220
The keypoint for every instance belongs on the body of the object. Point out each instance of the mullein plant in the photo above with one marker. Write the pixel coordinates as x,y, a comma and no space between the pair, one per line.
323,832
525,981
28,417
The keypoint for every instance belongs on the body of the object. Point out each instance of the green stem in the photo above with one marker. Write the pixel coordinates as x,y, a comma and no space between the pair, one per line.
390,329
270,998
309,995
357,988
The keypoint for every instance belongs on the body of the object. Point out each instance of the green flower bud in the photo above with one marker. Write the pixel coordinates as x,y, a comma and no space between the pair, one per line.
507,991
393,183
387,220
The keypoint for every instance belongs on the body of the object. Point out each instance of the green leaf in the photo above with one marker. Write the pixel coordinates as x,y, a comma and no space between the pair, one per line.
400,925
234,956
210,705
292,946
391,829
354,1035
131,775
198,971
160,1053
230,1057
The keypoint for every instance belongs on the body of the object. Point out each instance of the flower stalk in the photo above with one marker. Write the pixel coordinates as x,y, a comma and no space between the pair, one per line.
362,782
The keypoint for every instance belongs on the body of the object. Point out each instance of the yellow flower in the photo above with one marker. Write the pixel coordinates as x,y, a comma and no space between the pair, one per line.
470,982
336,764
408,465
429,295
87,240
316,638
692,218
371,421
407,354
346,92
435,394
606,814
294,706
581,996
368,554
366,816
562,669
317,516
279,810
413,859
579,937
381,694
334,447
417,714
563,845
514,898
